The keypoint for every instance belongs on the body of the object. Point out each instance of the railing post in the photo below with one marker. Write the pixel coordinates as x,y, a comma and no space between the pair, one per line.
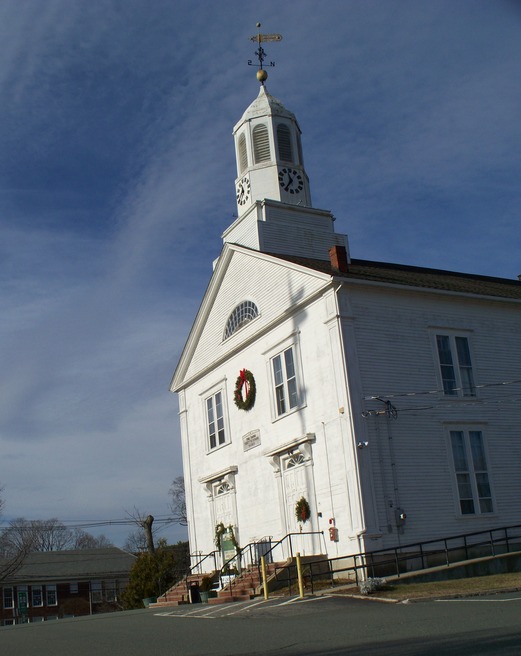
299,576
447,560
397,563
264,578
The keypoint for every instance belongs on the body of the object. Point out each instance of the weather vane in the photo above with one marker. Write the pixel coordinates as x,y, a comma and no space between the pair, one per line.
260,53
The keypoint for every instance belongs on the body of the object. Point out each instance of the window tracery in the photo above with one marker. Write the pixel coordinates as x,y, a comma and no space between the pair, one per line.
241,315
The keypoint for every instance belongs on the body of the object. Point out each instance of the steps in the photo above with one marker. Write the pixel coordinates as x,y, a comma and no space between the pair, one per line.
179,593
241,588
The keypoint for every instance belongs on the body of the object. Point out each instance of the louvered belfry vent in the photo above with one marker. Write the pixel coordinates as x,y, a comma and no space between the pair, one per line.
284,143
261,144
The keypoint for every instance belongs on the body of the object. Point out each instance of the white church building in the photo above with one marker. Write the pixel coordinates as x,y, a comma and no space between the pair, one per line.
387,397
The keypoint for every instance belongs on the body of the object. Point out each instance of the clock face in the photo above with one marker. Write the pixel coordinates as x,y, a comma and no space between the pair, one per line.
243,191
291,181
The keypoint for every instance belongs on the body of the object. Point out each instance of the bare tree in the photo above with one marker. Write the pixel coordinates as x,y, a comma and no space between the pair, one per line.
178,501
11,562
145,522
136,542
24,535
84,540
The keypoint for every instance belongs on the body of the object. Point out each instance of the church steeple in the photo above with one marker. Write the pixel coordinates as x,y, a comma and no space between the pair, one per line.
269,155
275,214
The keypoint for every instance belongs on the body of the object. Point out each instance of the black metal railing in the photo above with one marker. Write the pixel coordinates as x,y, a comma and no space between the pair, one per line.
250,557
416,556
393,561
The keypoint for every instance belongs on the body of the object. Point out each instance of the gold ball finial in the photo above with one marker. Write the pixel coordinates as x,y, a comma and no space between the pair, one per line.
262,76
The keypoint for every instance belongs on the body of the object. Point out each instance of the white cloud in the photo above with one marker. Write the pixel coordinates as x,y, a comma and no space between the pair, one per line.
116,181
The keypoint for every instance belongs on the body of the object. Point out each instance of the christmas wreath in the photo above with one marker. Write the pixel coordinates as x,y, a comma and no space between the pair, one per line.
244,380
220,530
302,510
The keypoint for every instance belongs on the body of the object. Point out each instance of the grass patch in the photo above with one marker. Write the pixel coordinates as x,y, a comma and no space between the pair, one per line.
464,587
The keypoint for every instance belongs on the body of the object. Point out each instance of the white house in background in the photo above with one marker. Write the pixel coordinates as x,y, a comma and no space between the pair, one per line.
386,395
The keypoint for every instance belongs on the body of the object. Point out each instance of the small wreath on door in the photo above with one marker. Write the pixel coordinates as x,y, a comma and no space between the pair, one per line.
245,390
302,510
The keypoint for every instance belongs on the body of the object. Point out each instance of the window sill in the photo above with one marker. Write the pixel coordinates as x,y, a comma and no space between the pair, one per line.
289,413
217,448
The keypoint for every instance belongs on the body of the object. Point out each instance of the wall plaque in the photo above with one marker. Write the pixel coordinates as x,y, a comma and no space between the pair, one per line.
251,440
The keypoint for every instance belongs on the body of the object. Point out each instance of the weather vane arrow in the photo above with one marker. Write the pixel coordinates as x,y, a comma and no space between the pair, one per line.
260,53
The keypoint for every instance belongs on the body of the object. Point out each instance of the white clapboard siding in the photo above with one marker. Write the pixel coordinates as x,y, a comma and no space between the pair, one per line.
394,334
273,287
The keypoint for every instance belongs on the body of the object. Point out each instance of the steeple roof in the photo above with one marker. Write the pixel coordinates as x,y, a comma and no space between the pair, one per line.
265,105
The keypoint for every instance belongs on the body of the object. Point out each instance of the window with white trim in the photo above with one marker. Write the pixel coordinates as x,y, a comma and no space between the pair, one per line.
285,381
471,471
8,598
96,592
215,420
241,315
111,590
37,595
52,598
455,365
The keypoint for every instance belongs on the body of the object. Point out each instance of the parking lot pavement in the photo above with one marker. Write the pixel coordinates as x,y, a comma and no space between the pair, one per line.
255,607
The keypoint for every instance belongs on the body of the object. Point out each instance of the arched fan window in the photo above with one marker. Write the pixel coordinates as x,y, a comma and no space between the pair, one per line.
243,154
284,142
261,144
242,314
295,461
222,488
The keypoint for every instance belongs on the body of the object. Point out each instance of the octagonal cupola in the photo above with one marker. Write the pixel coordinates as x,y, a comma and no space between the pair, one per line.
269,155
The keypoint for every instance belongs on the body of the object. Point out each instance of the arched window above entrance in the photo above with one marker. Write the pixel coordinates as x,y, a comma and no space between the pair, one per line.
295,461
222,488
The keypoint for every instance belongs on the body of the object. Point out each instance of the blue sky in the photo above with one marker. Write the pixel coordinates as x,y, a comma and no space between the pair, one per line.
117,175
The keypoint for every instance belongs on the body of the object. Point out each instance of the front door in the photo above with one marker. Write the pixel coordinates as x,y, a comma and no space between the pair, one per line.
295,486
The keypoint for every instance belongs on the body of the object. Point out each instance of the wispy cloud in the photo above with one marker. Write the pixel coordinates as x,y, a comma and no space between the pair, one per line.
116,182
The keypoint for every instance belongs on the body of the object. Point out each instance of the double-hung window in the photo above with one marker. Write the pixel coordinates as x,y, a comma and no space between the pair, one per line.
471,471
455,365
96,592
285,381
215,420
52,599
37,595
8,598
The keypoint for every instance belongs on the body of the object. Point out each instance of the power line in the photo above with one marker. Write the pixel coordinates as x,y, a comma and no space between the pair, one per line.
396,395
67,524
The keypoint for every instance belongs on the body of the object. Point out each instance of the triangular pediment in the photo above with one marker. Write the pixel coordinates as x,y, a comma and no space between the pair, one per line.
277,288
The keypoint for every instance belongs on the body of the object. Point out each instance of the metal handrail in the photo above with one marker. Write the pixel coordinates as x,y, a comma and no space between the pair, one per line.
200,562
367,563
247,556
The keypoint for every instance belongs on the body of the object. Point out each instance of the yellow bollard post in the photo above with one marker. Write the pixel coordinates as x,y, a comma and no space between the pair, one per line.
264,578
300,577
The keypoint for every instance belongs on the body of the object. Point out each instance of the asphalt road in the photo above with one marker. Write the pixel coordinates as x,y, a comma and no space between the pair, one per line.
328,626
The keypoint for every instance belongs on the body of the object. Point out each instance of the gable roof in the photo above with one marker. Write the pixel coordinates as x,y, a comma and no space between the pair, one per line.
75,564
412,276
202,323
